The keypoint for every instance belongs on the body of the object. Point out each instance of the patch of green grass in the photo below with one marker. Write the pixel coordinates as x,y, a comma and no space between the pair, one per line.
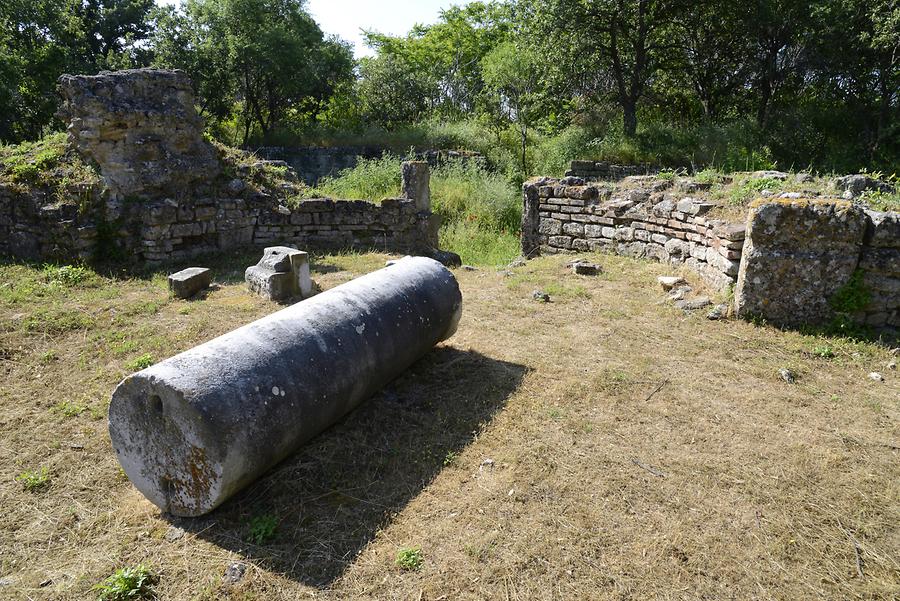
410,559
370,179
142,362
69,409
450,457
748,189
708,176
881,201
126,584
48,321
262,529
68,276
478,246
823,352
34,480
49,356
563,290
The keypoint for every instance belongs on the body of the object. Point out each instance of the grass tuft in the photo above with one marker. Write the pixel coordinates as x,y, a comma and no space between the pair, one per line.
410,559
34,480
127,584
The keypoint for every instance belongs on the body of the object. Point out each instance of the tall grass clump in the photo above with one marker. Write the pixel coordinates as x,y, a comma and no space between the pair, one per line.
480,209
370,179
481,212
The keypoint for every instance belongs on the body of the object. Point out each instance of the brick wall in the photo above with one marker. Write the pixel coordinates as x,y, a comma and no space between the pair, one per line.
643,221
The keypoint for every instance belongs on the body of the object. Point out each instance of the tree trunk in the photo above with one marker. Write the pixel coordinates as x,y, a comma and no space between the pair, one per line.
524,146
629,117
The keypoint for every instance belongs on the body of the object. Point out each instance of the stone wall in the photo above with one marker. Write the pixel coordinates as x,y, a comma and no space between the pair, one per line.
312,163
645,219
140,127
171,231
165,195
602,170
800,255
790,263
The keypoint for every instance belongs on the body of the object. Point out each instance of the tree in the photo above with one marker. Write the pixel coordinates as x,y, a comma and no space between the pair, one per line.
715,52
269,56
512,74
616,49
440,64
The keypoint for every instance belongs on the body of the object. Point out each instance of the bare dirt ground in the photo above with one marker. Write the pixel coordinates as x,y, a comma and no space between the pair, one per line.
601,446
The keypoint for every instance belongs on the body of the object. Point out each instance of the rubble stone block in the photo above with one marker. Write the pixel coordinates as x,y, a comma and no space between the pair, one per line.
281,274
188,282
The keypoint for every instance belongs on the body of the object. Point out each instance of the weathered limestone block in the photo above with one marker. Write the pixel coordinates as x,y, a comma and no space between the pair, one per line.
883,230
796,255
140,127
281,274
195,429
415,183
188,282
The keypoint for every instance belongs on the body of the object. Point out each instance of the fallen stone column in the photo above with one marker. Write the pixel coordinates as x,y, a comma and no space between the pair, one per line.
196,428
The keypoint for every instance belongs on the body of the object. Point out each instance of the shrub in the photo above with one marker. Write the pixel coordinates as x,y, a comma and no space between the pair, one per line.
128,583
262,529
139,363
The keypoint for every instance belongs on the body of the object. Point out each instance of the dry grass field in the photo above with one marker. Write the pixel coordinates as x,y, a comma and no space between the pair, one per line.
601,446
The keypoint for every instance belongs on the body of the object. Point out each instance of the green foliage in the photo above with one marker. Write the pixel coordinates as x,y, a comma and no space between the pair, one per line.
370,179
259,61
852,296
126,584
749,188
882,201
69,409
69,276
410,559
262,529
34,480
477,246
466,191
450,457
142,362
823,352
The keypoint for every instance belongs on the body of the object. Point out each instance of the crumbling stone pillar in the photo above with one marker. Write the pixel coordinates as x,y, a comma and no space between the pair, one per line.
416,184
196,428
141,128
796,256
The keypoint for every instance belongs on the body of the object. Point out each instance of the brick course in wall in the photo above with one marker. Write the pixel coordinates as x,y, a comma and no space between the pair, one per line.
570,215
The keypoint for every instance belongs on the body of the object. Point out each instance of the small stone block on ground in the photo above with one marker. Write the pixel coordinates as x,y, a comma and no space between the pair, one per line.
188,282
670,281
587,269
281,274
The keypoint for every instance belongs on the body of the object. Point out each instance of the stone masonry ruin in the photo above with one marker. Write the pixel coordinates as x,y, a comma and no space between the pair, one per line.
786,264
169,194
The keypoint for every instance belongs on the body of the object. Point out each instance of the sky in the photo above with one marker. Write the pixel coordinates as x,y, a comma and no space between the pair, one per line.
346,18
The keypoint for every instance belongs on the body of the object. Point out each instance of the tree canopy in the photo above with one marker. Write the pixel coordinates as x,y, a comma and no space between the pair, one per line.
809,81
